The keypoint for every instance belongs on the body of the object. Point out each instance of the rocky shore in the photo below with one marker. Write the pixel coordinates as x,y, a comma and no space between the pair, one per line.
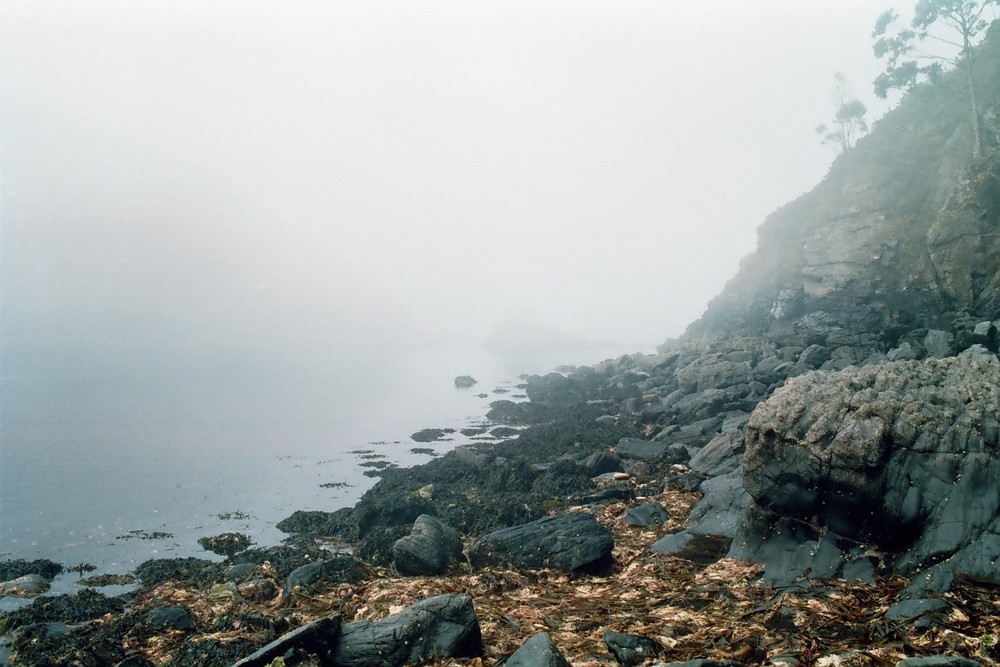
718,501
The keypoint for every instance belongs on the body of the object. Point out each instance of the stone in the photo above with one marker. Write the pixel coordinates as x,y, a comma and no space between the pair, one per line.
340,569
428,550
171,617
647,515
431,434
634,448
602,462
902,456
570,542
630,650
28,585
537,651
439,627
464,381
317,639
700,549
938,661
723,454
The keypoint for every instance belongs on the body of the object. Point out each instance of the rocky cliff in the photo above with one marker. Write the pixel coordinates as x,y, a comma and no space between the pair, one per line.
900,237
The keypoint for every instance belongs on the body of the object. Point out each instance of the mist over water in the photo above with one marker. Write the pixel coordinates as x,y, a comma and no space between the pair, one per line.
238,245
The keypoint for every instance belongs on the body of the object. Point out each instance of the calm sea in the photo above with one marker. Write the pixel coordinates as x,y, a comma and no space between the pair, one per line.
114,469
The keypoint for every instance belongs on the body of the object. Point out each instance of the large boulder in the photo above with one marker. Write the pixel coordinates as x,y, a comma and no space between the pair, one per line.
899,457
317,639
569,542
429,548
439,627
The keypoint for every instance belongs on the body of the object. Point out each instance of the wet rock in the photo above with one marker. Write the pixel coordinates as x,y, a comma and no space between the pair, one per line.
537,651
901,455
700,549
464,381
431,434
340,569
630,650
428,550
938,661
171,617
439,627
648,515
226,544
12,569
569,542
647,450
723,454
316,640
602,462
27,586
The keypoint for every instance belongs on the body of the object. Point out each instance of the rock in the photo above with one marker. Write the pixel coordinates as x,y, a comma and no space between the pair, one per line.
700,549
428,550
723,454
938,661
701,662
464,381
630,650
439,627
648,515
723,501
171,617
27,586
568,542
902,456
12,569
341,569
431,434
317,639
537,651
602,462
922,612
634,448
226,544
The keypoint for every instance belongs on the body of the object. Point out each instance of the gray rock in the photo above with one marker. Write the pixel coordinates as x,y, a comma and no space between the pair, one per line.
171,617
340,569
318,638
721,507
648,515
721,455
569,542
602,462
938,661
902,456
439,627
908,611
464,381
938,343
634,448
537,651
428,550
28,585
701,549
630,650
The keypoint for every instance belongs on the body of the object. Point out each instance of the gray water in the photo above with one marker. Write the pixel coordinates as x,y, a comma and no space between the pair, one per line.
94,463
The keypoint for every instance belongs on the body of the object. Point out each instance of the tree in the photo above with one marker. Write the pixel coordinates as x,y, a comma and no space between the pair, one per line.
907,64
849,121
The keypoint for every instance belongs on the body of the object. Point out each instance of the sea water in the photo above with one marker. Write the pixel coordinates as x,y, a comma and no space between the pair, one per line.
112,469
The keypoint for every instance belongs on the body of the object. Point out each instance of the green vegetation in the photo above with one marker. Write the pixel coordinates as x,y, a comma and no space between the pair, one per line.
908,63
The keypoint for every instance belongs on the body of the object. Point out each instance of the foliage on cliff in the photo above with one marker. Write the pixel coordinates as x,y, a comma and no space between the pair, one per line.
873,232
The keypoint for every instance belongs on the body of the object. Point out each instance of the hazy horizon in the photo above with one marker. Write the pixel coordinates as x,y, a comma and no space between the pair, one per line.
239,178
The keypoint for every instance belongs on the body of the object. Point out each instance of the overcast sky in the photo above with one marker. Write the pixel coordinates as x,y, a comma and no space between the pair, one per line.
376,169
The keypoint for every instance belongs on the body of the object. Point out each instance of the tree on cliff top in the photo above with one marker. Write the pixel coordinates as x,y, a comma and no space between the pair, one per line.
963,21
849,121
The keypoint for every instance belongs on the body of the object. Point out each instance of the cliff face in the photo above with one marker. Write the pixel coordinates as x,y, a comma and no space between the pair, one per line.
901,236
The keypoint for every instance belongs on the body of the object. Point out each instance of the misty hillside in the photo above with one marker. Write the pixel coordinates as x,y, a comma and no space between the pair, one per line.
901,236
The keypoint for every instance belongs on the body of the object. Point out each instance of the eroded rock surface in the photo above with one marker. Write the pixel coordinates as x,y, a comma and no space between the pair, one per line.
895,458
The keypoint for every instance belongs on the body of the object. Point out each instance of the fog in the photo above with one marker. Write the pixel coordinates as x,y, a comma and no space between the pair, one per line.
213,180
